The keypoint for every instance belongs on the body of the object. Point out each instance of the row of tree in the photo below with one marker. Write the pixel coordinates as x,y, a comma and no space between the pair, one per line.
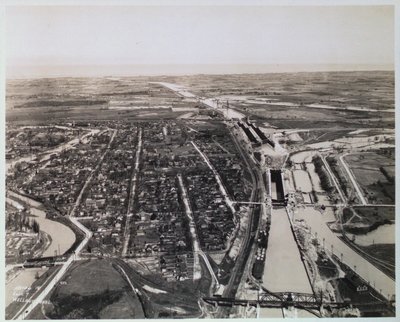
22,223
323,177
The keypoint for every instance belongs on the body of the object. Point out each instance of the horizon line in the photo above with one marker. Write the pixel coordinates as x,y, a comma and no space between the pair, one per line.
148,70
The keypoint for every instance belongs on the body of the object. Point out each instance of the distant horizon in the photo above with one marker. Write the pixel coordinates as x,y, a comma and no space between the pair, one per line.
165,70
139,40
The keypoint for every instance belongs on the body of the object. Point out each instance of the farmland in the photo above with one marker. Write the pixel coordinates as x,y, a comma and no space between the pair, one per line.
375,174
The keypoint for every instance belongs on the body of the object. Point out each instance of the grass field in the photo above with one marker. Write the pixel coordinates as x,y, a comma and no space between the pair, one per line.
126,307
361,220
94,289
91,277
37,116
384,252
375,174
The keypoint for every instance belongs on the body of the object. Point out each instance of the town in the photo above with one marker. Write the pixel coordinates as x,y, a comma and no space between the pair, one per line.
197,207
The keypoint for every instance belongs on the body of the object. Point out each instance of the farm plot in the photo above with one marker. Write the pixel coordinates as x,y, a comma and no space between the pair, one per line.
375,174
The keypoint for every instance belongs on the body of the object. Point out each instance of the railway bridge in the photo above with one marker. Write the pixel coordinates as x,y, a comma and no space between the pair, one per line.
299,300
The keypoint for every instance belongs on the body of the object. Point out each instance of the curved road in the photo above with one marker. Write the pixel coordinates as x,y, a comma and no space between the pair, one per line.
30,306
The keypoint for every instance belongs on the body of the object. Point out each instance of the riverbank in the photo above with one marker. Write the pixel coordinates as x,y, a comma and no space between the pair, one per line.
62,236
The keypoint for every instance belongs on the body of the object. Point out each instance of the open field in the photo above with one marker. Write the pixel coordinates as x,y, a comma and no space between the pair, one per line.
307,88
375,174
93,289
285,100
290,100
302,180
46,115
125,308
364,219
91,277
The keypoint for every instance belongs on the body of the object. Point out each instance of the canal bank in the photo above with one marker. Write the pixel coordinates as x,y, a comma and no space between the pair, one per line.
318,222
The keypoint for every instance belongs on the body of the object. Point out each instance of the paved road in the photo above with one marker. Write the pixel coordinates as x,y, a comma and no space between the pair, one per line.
193,232
46,154
127,234
218,178
245,251
26,310
334,179
228,113
353,180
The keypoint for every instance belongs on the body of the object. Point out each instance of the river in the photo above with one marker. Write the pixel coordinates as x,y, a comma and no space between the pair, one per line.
62,237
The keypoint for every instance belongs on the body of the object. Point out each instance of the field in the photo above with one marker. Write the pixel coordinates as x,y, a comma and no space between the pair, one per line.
385,253
93,289
341,175
370,231
286,100
364,219
126,307
375,174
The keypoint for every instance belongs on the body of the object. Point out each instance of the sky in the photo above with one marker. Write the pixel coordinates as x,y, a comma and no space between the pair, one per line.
63,40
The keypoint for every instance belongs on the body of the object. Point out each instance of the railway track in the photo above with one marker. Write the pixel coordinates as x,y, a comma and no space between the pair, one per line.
245,250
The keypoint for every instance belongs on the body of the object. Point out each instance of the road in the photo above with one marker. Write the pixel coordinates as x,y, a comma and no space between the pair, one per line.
127,234
46,155
193,233
334,179
178,89
353,180
29,307
228,200
228,113
196,245
89,179
246,246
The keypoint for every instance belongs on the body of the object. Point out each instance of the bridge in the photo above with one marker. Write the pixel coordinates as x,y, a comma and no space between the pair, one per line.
298,300
250,203
270,300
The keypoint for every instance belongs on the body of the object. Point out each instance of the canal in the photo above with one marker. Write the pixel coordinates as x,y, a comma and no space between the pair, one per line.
284,270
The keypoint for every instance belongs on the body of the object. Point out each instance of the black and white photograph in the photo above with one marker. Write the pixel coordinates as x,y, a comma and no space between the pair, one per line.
199,159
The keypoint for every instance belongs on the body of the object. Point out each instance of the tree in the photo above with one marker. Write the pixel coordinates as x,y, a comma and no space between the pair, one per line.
35,227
